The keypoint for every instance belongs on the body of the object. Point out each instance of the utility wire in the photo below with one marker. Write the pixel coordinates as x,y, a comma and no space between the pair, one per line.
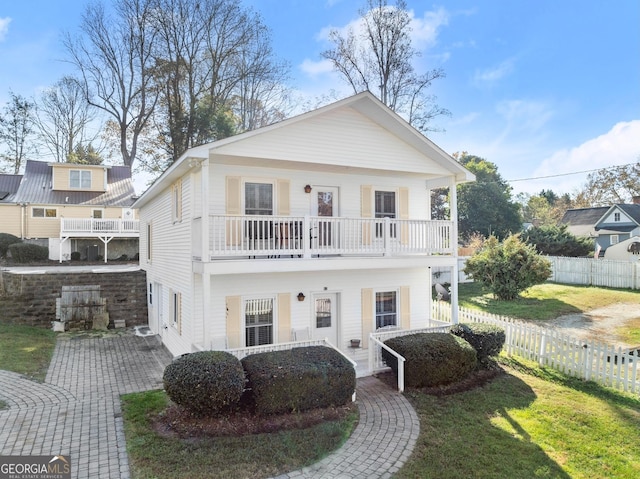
568,174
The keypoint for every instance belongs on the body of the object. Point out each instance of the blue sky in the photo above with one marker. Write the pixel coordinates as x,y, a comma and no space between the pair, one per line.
540,88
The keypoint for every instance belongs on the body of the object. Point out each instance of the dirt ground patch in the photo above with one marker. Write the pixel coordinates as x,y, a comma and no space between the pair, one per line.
602,324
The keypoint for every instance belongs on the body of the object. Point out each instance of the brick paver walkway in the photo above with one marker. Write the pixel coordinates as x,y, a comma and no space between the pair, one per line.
77,412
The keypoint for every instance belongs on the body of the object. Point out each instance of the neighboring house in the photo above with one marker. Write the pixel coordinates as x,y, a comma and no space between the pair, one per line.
315,227
69,207
609,225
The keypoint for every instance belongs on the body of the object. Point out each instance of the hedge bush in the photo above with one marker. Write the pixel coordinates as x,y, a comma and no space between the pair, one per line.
27,252
299,379
205,383
7,240
76,256
432,359
486,339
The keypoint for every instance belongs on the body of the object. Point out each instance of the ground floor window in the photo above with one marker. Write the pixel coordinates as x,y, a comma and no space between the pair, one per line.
258,316
386,309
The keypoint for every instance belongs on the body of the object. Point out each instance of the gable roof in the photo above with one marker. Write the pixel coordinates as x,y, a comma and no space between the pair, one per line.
35,187
582,221
631,211
8,187
362,116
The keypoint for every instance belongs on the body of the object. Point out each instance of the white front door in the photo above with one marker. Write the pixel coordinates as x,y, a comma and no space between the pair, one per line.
325,317
325,204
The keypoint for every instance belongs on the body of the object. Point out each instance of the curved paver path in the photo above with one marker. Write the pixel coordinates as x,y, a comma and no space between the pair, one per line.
381,443
76,412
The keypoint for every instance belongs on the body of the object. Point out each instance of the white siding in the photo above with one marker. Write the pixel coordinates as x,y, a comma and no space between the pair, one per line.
347,283
342,137
300,201
170,263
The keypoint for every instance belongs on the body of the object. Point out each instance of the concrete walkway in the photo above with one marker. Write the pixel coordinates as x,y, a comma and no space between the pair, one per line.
77,412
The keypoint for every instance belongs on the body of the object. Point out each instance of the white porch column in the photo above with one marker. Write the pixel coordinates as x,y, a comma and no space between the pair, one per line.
205,255
453,206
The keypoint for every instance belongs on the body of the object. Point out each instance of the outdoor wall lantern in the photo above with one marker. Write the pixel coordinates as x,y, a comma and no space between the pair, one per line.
300,296
307,189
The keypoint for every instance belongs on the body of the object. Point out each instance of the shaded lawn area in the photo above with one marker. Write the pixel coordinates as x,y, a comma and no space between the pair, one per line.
26,350
152,455
529,423
545,301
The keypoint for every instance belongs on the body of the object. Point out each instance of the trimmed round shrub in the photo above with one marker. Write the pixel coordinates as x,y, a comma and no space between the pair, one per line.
431,359
206,383
75,256
28,252
486,339
7,240
299,379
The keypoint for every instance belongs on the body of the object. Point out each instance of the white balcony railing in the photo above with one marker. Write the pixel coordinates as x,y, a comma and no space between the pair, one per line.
99,226
307,236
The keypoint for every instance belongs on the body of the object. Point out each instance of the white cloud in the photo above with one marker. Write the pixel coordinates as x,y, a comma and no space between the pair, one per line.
314,69
424,33
4,27
619,146
492,75
525,116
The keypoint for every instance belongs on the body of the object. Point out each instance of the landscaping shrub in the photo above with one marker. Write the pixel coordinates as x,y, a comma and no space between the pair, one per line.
486,339
7,240
299,379
432,359
27,252
76,256
206,383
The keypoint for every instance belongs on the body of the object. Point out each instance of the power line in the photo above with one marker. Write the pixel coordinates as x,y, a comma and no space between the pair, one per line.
568,174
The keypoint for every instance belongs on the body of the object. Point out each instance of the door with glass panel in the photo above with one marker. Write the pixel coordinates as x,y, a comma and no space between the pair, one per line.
325,233
325,317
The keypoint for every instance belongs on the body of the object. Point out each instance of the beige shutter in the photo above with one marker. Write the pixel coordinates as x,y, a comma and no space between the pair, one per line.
367,315
284,317
366,211
403,214
284,201
234,195
405,307
233,206
234,321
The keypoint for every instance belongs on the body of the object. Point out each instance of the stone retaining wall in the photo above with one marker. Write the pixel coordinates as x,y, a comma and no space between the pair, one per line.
31,298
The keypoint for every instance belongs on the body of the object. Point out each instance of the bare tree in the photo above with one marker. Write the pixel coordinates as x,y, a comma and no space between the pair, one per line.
17,129
114,58
609,186
380,59
63,117
217,71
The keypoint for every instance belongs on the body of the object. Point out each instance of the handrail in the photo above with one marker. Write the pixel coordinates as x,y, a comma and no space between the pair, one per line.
399,357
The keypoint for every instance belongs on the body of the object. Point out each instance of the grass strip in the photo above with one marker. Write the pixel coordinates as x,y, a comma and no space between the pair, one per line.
152,455
26,350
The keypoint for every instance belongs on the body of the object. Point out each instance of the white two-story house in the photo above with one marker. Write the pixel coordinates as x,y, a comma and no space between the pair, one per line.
315,227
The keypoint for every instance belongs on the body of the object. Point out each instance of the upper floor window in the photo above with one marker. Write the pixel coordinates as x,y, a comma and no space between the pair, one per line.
615,239
96,214
80,179
44,213
258,198
616,216
386,309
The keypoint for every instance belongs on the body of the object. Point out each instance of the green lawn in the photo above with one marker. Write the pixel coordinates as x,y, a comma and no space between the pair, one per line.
254,456
545,301
531,423
26,349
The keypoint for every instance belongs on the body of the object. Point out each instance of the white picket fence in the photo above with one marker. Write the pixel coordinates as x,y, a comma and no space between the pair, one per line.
595,272
585,359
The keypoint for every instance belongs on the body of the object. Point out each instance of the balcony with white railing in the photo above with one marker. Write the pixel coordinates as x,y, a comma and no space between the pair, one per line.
93,227
311,236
